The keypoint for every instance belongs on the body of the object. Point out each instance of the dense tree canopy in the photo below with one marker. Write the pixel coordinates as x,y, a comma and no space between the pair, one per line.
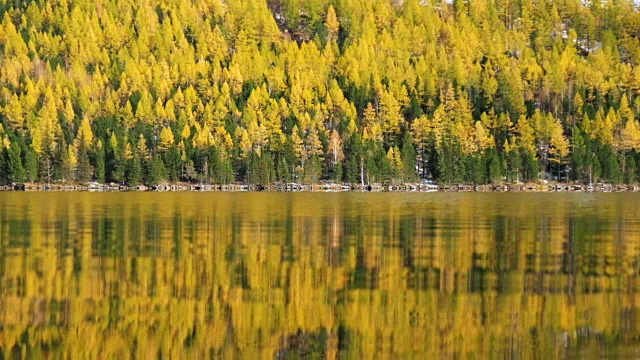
289,90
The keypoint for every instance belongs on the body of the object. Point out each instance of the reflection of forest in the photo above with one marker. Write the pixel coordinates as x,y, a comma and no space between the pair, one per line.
264,275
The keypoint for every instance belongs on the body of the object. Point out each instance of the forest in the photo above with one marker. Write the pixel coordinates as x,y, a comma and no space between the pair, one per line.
358,91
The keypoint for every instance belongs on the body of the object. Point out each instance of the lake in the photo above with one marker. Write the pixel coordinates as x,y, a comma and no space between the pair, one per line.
343,275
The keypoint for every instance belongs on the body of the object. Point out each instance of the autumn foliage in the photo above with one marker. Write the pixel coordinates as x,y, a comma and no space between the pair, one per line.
288,90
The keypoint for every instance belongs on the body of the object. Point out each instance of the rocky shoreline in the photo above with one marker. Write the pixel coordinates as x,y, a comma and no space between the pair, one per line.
327,187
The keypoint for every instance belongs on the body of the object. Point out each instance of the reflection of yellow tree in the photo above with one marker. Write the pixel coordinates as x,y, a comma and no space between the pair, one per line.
90,275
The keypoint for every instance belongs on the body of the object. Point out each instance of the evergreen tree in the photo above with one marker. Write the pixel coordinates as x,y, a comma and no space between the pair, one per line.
15,170
4,165
610,166
84,172
529,167
100,164
494,166
31,166
631,173
155,171
313,170
118,164
579,157
476,170
134,171
431,161
595,169
354,172
408,158
283,170
450,162
512,161
172,163
260,169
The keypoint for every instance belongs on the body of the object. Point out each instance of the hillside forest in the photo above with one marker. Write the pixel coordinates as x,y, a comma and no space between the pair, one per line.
361,91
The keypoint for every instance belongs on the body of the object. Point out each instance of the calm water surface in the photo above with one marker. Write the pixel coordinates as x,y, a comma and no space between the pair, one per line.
275,275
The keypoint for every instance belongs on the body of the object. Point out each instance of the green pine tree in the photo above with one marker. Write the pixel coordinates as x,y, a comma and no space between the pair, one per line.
408,158
100,163
155,171
494,166
15,170
84,170
134,171
31,166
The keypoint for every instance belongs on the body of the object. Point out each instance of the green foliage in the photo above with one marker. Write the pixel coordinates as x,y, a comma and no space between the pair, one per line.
15,170
355,160
451,162
476,170
155,172
408,158
172,164
85,170
529,167
31,166
494,166
610,167
631,170
260,169
134,171
100,166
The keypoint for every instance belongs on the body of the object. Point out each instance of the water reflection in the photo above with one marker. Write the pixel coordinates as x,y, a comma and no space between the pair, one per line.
276,275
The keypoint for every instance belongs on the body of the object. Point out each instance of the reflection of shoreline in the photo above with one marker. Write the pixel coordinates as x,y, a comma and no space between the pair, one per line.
344,276
329,187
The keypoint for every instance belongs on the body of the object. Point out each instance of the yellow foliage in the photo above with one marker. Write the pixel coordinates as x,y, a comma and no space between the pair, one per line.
85,134
142,149
166,139
559,144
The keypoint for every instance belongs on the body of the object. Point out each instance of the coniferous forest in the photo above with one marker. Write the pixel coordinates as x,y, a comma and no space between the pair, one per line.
362,91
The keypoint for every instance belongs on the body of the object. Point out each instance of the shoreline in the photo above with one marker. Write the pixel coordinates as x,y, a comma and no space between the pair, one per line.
322,187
